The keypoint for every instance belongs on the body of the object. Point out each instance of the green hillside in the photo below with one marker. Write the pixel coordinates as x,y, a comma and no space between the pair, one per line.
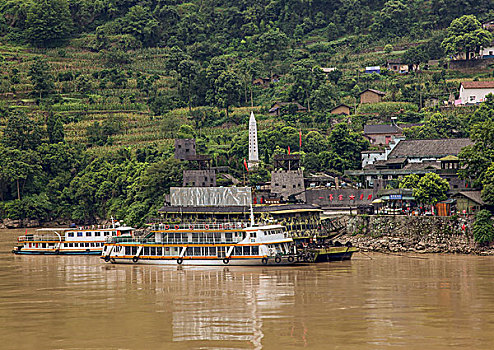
92,93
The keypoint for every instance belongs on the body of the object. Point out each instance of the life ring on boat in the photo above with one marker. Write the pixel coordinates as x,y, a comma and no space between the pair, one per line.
191,227
177,227
167,227
291,259
226,261
135,259
206,227
277,260
264,261
180,261
107,258
227,226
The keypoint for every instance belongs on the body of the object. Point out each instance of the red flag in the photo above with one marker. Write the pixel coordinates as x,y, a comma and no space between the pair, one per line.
288,149
245,164
300,138
463,227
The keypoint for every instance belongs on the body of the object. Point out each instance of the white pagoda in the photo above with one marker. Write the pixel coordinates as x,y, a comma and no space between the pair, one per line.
253,148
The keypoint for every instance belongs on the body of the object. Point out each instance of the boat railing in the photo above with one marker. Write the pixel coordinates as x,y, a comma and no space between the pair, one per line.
153,240
201,226
39,237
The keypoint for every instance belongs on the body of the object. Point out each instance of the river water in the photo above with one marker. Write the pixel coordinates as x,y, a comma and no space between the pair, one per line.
374,301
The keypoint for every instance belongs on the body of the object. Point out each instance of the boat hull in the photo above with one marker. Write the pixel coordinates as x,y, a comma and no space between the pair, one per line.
204,262
333,254
53,252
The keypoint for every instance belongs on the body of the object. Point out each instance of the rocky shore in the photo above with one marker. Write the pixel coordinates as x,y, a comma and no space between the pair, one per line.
413,234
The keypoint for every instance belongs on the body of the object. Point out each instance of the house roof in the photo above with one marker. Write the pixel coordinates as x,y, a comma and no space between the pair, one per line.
381,129
472,195
374,91
429,148
340,105
478,84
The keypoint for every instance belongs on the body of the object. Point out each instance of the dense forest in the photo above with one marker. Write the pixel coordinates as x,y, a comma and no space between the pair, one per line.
94,92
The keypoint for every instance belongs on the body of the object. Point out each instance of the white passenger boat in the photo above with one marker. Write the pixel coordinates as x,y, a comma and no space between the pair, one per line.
204,244
82,240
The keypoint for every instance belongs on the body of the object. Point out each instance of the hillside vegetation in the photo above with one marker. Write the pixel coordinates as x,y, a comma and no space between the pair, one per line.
94,92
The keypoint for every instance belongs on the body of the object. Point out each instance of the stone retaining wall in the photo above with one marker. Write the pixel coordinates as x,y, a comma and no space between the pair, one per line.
423,234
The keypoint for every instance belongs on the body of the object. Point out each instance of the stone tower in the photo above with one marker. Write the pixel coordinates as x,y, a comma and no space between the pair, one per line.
253,148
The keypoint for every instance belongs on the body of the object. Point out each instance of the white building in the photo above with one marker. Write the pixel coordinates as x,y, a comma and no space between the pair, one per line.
472,92
253,148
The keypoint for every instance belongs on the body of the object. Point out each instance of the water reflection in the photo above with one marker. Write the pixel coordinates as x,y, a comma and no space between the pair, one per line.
74,302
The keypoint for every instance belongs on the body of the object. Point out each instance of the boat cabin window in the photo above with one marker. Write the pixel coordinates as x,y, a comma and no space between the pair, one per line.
88,234
70,234
43,245
146,251
228,237
253,234
255,250
79,234
107,233
97,234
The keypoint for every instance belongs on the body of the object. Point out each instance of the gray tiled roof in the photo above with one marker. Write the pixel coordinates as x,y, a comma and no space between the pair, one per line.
429,148
381,129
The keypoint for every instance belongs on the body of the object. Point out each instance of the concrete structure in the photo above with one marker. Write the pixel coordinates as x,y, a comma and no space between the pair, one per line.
381,134
199,178
371,96
288,183
341,110
472,92
185,148
253,146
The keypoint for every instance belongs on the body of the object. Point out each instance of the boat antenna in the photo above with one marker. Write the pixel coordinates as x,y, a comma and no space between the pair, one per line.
251,215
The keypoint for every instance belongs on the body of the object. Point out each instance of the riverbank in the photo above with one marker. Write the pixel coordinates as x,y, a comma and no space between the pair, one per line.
423,234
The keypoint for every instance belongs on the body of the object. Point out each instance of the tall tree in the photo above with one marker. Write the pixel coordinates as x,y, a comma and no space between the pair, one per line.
465,34
39,73
48,22
228,89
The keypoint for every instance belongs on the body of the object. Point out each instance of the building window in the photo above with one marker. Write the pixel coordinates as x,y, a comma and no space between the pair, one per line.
88,234
472,98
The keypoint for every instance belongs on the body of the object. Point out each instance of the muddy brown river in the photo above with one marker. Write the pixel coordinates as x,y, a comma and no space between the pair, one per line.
374,301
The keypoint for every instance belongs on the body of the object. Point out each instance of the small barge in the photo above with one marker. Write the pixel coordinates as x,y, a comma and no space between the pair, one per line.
80,241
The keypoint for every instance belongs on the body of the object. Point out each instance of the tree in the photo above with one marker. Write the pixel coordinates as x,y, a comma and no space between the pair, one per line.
346,147
140,23
272,44
21,132
414,56
228,89
431,189
187,72
465,34
483,228
39,73
54,128
410,181
48,22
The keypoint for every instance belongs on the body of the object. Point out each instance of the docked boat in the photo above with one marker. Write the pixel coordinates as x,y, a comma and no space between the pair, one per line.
82,240
234,243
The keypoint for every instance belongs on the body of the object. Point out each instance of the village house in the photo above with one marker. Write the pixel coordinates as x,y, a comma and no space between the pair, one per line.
397,66
468,202
341,110
381,134
489,25
404,157
488,51
371,96
276,107
472,92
